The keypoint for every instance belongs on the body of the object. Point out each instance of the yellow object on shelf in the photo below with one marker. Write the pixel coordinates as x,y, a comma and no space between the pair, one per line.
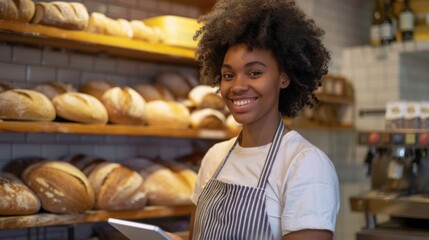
178,31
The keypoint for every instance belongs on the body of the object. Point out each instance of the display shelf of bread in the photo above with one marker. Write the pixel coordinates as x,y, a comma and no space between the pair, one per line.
80,188
69,25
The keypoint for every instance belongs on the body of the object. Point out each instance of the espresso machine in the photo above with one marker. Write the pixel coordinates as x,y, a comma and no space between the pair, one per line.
397,164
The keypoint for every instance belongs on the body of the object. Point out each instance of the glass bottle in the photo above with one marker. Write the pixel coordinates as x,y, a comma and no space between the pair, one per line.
407,22
376,21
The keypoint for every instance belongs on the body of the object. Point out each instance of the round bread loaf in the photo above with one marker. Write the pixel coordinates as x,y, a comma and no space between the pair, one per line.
207,118
52,89
204,96
152,92
4,87
169,114
117,187
82,161
97,87
21,104
80,107
18,165
175,82
124,105
60,186
16,198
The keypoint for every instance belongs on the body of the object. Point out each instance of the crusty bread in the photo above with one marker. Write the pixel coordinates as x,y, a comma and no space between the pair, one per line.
83,162
22,104
97,87
67,15
204,96
207,118
146,33
117,187
60,186
152,92
80,107
17,10
124,105
101,24
16,198
175,82
52,89
169,114
18,165
4,87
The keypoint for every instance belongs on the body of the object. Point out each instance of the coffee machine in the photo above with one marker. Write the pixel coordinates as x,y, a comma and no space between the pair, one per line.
397,164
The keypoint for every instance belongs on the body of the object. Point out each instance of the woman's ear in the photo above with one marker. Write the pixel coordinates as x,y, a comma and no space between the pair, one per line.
285,80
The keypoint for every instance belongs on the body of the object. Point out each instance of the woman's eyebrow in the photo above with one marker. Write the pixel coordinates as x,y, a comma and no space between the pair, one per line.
249,64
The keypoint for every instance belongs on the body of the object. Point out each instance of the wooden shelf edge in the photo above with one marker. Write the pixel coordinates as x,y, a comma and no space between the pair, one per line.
35,34
51,219
112,129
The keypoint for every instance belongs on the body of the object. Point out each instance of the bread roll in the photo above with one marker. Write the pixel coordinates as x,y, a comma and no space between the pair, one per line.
152,92
207,118
17,10
97,87
117,187
163,186
17,166
204,96
60,186
101,24
175,83
124,105
83,162
52,89
232,125
80,107
167,114
16,198
146,33
67,15
21,104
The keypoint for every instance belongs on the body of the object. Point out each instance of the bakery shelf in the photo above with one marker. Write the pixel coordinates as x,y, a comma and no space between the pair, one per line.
51,219
398,137
39,35
112,129
326,98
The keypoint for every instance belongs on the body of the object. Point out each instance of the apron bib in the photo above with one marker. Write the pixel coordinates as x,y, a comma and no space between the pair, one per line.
234,212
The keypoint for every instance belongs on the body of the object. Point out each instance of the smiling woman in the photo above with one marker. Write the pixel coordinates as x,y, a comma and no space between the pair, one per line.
268,182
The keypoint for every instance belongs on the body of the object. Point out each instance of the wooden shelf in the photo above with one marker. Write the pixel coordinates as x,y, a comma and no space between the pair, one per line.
112,129
334,99
39,35
50,219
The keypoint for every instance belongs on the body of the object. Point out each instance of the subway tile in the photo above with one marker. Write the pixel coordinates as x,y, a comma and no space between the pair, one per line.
55,58
115,12
82,61
87,149
125,152
69,76
92,138
5,152
148,4
54,151
127,3
67,138
96,6
106,64
6,137
127,67
422,45
12,72
40,137
105,151
26,55
40,74
26,150
5,52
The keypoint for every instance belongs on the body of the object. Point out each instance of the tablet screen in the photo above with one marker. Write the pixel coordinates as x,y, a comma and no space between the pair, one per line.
138,231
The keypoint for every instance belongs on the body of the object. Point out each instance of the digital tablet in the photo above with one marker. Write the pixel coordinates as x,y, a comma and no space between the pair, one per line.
138,231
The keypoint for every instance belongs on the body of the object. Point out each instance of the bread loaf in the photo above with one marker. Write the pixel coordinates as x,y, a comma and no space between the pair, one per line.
17,166
163,186
101,24
16,198
117,187
4,87
96,87
175,83
17,10
204,96
152,92
52,89
168,114
21,104
60,186
80,107
207,118
83,162
124,106
231,124
67,15
146,33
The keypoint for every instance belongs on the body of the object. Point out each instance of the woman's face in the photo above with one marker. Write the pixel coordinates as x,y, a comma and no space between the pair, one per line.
251,83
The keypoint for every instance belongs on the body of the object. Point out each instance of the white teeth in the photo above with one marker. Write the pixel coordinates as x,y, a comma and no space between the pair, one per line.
242,102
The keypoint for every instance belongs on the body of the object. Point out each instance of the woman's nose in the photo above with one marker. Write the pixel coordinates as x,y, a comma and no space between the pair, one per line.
239,84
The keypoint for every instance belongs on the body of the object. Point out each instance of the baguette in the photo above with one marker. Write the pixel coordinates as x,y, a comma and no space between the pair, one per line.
17,10
67,15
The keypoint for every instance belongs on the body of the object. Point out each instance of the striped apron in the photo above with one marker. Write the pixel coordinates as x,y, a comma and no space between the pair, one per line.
235,212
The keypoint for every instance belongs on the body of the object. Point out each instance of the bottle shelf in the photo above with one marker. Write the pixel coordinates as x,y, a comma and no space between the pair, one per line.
39,35
403,137
112,129
51,219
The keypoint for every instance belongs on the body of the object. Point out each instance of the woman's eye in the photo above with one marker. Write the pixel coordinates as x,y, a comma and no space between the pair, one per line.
227,76
254,74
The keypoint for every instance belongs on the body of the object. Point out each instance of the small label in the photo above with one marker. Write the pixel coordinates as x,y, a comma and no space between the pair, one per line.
410,138
395,170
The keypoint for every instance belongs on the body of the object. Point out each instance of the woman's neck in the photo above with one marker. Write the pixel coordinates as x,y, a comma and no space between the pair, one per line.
260,133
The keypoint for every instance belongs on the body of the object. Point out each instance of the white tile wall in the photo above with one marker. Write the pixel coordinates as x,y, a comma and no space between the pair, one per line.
345,23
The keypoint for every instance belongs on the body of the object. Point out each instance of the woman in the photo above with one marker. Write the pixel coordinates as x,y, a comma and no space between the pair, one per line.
269,182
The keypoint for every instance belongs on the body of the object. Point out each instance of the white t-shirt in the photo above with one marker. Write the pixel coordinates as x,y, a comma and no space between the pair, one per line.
302,190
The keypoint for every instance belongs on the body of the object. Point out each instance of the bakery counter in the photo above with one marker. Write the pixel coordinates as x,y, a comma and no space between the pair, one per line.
50,219
112,129
40,35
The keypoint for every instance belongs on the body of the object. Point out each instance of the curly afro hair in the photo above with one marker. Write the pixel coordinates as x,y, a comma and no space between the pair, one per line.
275,25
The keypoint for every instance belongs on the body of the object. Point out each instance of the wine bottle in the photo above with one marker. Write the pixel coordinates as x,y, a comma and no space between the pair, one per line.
406,22
375,33
392,18
386,27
